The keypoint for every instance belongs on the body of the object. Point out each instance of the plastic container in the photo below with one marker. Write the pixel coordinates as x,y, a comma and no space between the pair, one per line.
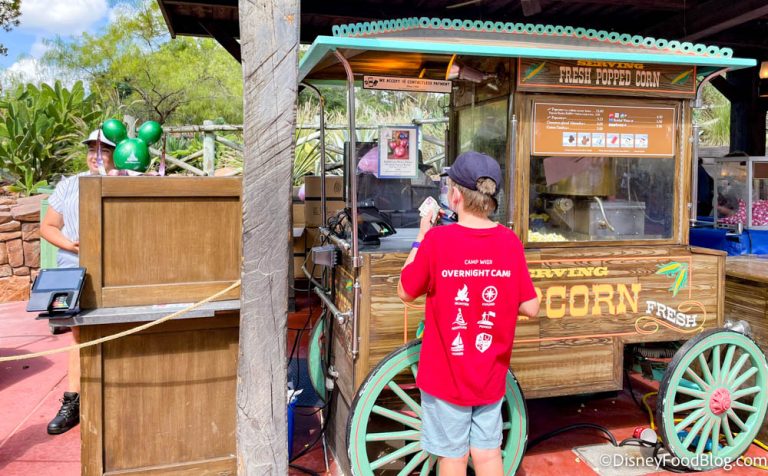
291,408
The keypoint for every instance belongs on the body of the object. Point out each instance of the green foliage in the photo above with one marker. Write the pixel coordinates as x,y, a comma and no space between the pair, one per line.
180,81
41,129
714,118
10,10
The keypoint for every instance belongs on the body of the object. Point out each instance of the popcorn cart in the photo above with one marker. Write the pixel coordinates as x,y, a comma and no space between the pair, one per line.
593,132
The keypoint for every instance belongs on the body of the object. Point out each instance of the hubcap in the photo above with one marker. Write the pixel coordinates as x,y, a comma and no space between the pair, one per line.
720,401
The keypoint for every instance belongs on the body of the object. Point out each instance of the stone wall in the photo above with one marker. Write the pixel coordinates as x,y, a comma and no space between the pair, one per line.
19,246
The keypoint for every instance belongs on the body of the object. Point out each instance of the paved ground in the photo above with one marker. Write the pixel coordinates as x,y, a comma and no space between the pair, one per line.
30,389
29,397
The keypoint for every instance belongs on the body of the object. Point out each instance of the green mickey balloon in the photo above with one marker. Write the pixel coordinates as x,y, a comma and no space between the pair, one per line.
132,154
114,130
150,132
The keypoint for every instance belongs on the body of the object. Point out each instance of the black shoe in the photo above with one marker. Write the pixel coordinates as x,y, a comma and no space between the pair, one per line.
69,414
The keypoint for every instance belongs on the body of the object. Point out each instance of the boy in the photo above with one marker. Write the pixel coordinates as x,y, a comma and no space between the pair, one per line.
476,281
61,227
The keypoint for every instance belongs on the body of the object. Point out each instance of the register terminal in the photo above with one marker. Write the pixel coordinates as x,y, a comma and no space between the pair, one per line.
57,292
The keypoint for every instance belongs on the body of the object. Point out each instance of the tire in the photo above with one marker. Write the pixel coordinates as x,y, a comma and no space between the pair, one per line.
715,380
315,361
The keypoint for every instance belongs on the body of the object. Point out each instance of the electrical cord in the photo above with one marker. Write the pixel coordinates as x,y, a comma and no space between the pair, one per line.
319,436
631,390
576,426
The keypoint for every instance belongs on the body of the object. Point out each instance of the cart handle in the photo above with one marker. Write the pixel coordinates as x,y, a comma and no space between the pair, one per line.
341,317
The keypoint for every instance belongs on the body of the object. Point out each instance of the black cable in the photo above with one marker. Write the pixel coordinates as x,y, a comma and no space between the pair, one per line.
576,426
628,379
309,447
636,442
670,468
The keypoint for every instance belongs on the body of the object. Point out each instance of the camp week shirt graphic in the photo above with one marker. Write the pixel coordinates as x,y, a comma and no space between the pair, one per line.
475,280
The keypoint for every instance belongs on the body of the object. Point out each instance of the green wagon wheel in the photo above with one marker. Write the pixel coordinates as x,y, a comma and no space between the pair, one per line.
315,361
384,426
713,399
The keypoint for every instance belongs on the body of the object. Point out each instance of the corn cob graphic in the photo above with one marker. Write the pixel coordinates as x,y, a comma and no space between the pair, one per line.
682,77
533,70
680,273
669,268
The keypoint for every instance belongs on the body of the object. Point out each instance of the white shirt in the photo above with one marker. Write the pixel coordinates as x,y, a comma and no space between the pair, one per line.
66,201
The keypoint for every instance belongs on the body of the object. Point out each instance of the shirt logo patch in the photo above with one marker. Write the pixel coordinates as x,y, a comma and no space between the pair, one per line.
462,297
490,294
457,346
486,322
459,322
483,341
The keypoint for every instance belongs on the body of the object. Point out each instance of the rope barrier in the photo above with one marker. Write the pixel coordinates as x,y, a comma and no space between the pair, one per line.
125,333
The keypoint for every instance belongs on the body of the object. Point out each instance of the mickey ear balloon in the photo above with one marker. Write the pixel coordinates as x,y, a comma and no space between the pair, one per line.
114,130
150,132
132,154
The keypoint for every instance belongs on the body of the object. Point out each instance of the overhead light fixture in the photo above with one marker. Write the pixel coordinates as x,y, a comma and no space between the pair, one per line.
762,87
465,73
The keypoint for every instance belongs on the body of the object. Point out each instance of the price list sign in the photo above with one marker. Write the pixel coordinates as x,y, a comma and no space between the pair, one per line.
603,130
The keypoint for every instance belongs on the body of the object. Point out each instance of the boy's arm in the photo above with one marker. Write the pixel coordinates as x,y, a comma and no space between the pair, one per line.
530,307
426,224
411,256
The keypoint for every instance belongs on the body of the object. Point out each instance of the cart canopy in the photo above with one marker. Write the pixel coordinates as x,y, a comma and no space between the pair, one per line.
423,47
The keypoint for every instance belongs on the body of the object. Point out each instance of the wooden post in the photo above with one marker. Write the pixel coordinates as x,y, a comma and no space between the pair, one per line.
209,150
269,37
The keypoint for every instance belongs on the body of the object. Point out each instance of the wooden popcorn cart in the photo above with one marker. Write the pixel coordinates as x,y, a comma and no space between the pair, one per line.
593,131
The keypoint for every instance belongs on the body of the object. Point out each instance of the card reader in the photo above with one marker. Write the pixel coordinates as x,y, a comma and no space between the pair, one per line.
57,292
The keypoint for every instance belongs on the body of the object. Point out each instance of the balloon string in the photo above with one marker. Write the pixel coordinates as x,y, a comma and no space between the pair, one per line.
99,160
162,157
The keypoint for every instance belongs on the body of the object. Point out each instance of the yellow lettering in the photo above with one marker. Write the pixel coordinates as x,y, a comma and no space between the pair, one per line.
600,271
603,294
555,291
624,294
579,291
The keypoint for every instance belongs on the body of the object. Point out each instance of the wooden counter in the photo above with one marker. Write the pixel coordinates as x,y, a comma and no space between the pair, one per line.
161,401
746,298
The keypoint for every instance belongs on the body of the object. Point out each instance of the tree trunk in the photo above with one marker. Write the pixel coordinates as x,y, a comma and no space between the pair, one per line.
269,36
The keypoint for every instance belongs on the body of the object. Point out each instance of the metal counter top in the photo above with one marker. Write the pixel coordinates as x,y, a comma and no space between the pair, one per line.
400,242
135,314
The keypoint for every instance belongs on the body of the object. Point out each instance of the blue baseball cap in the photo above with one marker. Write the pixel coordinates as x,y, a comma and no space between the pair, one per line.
471,166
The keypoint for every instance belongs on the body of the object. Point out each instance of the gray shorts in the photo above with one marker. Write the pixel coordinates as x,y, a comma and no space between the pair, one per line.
449,430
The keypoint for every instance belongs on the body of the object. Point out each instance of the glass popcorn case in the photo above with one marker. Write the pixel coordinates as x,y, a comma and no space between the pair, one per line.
741,193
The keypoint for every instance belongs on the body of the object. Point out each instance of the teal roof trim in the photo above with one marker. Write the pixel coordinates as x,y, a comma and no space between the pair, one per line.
352,30
324,45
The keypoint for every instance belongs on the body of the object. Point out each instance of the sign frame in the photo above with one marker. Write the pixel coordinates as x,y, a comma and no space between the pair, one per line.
620,151
386,163
403,83
536,75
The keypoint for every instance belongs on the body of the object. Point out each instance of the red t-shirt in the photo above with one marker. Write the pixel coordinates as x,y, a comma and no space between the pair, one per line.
475,280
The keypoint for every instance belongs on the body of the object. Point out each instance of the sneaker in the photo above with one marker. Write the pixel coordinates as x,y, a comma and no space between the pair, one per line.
68,416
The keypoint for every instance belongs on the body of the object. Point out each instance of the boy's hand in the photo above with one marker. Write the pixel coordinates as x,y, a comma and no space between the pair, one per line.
427,222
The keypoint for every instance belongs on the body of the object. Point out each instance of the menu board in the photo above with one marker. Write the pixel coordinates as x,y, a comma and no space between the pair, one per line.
603,130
